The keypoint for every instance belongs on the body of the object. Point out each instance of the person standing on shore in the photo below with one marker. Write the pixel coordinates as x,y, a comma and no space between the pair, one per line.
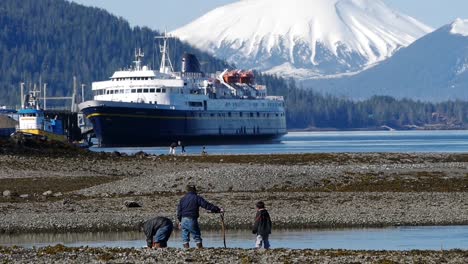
262,226
203,152
188,213
182,146
158,231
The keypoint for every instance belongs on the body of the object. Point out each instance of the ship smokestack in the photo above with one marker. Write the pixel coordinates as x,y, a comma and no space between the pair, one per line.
190,63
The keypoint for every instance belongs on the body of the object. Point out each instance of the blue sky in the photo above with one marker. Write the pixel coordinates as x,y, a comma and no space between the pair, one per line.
171,14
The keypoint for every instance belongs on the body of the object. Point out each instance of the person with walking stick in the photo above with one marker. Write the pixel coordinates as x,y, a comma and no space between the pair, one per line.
188,213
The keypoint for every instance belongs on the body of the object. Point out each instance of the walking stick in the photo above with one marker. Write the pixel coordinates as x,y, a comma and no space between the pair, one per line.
223,228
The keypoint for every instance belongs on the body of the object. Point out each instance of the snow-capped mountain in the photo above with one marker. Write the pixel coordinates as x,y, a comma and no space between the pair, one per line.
303,38
434,68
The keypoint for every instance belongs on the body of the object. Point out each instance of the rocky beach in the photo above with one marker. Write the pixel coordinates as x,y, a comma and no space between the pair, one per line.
62,189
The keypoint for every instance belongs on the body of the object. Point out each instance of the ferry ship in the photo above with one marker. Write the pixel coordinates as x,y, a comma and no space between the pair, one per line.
143,107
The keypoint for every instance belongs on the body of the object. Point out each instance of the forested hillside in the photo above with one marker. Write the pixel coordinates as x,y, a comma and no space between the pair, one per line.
307,109
54,40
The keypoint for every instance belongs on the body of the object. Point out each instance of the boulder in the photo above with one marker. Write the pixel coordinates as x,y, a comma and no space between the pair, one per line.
131,204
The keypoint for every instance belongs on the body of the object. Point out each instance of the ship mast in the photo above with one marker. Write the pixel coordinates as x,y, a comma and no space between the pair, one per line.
138,59
166,64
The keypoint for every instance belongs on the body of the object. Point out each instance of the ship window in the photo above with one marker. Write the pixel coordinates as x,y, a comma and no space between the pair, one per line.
196,104
127,91
145,90
200,115
139,90
152,90
111,91
276,114
229,114
251,114
163,90
158,90
258,114
133,90
240,114
212,115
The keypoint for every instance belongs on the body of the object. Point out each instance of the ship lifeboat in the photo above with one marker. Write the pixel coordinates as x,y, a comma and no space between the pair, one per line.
231,77
247,77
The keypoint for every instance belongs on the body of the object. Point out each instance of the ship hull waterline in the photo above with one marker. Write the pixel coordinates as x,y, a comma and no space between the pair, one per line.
128,127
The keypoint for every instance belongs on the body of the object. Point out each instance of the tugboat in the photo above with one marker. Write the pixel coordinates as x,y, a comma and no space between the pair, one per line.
33,122
143,107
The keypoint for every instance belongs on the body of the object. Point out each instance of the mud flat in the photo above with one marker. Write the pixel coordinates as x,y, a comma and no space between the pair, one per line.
67,190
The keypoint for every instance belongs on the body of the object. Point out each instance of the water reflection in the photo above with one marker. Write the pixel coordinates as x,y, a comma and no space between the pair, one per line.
399,238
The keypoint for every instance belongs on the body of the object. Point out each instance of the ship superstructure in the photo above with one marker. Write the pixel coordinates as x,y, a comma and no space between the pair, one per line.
140,106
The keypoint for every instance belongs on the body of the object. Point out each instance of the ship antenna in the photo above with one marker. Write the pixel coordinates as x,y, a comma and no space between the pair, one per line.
166,64
138,59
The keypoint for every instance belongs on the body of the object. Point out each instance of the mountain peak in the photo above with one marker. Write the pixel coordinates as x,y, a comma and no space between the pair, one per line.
307,37
460,27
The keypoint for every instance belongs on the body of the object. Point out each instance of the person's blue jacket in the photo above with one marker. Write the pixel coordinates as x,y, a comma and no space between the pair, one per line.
189,206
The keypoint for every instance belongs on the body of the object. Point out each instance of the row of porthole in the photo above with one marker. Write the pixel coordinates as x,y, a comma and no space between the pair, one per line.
133,79
241,114
127,91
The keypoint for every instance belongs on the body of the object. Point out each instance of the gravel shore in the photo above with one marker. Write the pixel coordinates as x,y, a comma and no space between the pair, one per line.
59,254
88,192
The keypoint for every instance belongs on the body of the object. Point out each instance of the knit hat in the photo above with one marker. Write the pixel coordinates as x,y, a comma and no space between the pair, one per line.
191,188
260,205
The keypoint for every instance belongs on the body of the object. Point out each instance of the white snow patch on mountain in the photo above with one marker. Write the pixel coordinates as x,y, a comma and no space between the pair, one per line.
303,37
460,27
433,68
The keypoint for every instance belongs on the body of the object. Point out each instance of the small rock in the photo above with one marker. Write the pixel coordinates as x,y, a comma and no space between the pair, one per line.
24,196
47,193
131,204
66,201
58,194
105,195
7,193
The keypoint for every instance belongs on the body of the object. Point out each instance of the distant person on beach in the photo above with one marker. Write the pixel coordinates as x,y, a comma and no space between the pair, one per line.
262,226
172,148
182,146
157,231
203,152
188,213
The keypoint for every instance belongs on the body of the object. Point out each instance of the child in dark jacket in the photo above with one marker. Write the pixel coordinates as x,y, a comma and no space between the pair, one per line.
262,226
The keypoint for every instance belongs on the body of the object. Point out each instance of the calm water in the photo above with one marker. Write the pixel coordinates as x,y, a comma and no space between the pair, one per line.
399,238
327,142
